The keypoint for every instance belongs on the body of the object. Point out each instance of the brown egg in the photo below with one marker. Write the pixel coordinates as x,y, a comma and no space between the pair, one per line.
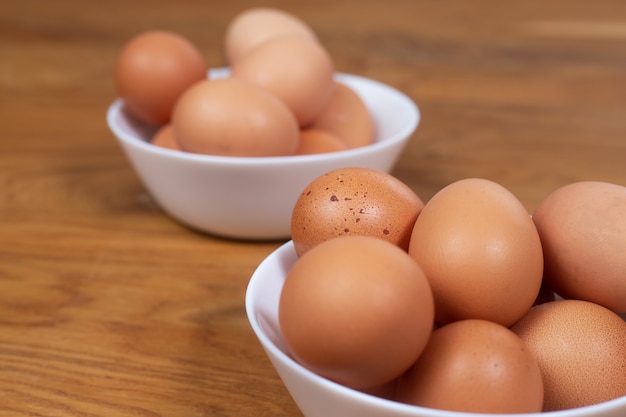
386,390
152,71
230,117
256,25
354,201
347,116
581,350
164,138
480,251
313,141
296,70
583,231
357,310
474,366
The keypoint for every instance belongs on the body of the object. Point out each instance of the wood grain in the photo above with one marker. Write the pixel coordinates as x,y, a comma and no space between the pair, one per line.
110,308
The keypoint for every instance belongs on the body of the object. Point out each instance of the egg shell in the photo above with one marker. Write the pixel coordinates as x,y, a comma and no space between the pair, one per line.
474,366
581,350
153,69
582,227
357,310
314,141
256,25
164,138
230,117
481,252
296,70
347,117
354,201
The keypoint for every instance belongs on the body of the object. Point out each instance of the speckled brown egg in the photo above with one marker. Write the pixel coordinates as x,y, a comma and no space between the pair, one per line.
354,201
583,231
474,366
581,350
480,251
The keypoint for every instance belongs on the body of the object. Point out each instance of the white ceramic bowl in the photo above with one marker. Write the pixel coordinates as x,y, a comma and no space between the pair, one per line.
253,197
319,397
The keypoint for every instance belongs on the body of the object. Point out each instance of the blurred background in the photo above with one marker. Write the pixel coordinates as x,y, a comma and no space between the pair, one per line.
507,84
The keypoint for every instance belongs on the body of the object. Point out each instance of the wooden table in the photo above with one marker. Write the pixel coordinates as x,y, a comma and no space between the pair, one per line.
110,308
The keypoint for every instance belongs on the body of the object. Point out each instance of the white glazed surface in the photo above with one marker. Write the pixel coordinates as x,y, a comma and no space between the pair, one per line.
252,198
319,397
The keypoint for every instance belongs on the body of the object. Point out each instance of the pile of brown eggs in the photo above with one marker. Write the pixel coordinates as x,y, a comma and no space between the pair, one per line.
451,304
280,98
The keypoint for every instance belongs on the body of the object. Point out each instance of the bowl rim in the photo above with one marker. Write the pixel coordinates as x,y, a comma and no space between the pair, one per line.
117,106
288,249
